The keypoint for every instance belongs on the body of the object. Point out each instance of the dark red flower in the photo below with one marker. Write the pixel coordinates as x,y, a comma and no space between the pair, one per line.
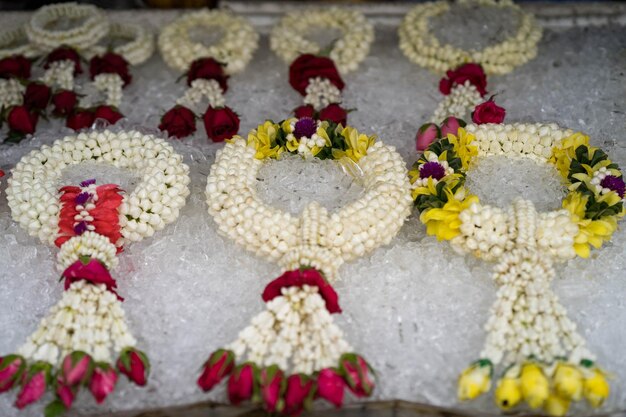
15,66
300,277
178,122
81,119
309,66
102,382
271,384
135,365
110,63
108,113
11,369
22,120
488,112
221,123
66,393
76,368
209,69
241,383
334,113
64,53
330,386
219,365
356,371
304,111
37,96
64,102
471,72
34,384
299,393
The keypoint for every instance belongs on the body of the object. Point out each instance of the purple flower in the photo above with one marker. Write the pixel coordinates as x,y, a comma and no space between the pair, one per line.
614,183
432,169
80,228
305,127
87,183
82,198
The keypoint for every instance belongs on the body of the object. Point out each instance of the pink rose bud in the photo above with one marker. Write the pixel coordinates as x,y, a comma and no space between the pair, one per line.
34,384
11,369
76,368
135,365
426,134
330,386
451,125
66,394
356,371
220,364
102,382
272,384
241,383
304,111
488,112
299,394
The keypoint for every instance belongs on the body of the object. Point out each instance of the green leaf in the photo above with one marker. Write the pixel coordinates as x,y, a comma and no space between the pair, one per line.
55,409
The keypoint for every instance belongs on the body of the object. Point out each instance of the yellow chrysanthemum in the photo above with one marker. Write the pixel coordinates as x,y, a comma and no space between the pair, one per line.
508,393
556,405
568,381
444,222
565,151
590,232
263,139
474,381
462,147
534,385
357,144
596,388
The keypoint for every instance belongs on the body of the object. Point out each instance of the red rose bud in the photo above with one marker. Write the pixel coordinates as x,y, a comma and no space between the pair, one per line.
272,382
102,382
298,278
135,365
76,368
178,122
451,125
304,111
37,96
11,369
221,123
66,394
220,364
80,120
110,63
309,66
64,102
15,66
356,371
22,120
426,134
299,394
488,112
334,113
34,384
241,383
108,113
63,53
471,72
330,386
209,69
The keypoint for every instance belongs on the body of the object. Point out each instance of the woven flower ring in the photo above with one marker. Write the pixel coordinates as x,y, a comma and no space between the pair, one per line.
84,341
207,69
543,361
293,352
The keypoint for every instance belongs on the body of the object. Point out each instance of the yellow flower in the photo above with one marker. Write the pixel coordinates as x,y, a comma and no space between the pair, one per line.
263,139
596,388
534,384
462,147
508,393
357,144
590,232
321,132
556,406
444,222
564,152
286,125
475,380
568,381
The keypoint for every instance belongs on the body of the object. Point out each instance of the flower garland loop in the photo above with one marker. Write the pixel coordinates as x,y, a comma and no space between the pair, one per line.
138,48
288,42
15,42
545,360
293,352
421,47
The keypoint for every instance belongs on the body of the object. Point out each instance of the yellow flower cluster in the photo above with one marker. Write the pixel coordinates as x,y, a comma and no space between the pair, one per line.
463,147
564,152
530,383
444,223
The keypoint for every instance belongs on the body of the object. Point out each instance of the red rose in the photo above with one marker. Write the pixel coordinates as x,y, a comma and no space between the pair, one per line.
110,63
80,120
64,53
15,66
426,134
64,102
221,123
220,364
209,69
334,113
309,66
108,113
135,365
467,72
304,111
22,120
37,96
178,122
488,112
357,374
242,382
